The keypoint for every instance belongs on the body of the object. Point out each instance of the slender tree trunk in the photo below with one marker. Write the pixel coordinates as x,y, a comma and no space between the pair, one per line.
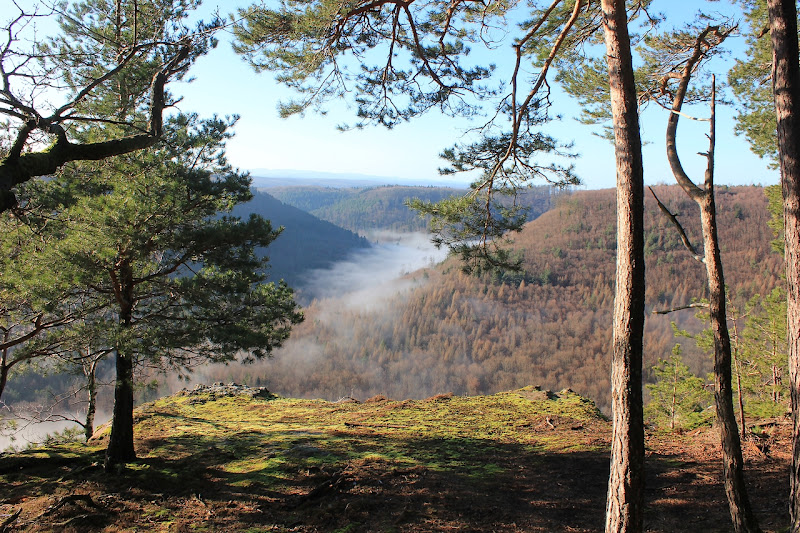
740,398
625,502
120,445
738,503
3,377
786,88
674,396
91,409
732,464
737,366
4,367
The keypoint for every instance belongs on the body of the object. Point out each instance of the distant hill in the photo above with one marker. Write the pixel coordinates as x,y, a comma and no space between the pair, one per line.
263,177
306,242
383,208
549,326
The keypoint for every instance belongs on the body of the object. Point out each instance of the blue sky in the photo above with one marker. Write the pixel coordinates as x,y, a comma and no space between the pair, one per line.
225,85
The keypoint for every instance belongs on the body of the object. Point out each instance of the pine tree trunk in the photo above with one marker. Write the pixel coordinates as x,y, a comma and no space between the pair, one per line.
735,344
786,88
740,398
120,445
674,396
91,409
741,512
3,377
625,502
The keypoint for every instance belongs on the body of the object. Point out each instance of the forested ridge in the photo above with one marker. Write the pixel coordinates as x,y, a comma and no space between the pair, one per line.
362,208
549,325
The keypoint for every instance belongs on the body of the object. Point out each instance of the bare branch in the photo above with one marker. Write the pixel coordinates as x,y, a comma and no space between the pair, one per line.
699,51
19,168
674,219
695,305
523,108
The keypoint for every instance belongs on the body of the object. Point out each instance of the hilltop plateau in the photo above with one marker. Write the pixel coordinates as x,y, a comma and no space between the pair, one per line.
214,459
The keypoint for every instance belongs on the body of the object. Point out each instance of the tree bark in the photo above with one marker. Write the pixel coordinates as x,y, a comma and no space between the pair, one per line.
3,377
786,89
120,445
91,409
625,502
732,463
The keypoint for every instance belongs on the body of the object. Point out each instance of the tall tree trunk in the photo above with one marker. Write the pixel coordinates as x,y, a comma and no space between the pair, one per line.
625,502
120,445
786,88
91,409
741,512
732,464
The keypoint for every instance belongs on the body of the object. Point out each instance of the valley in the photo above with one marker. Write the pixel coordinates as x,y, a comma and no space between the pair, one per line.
442,331
387,313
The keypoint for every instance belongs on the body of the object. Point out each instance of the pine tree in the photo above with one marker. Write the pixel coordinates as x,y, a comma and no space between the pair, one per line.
110,62
165,276
678,397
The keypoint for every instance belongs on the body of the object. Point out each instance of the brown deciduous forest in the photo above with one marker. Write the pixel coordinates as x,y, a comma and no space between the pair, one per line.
549,325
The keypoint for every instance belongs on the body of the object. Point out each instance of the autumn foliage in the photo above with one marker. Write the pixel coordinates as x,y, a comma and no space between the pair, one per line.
549,325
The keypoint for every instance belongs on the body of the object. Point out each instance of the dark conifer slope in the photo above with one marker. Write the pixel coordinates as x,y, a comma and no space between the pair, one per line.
306,242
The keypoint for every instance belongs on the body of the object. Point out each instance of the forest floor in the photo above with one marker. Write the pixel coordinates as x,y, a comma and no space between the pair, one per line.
524,460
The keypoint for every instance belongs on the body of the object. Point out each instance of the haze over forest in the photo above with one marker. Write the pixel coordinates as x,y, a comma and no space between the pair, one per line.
438,330
387,313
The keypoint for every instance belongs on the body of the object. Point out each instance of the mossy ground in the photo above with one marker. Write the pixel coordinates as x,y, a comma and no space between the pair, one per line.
524,460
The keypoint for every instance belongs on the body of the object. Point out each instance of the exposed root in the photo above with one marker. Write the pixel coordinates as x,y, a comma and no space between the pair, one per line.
10,520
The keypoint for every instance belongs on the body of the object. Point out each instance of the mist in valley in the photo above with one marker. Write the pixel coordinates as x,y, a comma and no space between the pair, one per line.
371,283
366,282
21,429
368,277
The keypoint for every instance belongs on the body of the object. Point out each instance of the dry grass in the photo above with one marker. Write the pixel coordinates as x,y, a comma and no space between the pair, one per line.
524,460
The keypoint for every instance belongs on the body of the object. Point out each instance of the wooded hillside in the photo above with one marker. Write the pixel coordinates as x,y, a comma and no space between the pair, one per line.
306,242
383,208
549,326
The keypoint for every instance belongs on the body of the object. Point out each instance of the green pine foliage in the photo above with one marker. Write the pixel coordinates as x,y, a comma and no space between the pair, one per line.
758,344
143,252
679,399
749,79
762,355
